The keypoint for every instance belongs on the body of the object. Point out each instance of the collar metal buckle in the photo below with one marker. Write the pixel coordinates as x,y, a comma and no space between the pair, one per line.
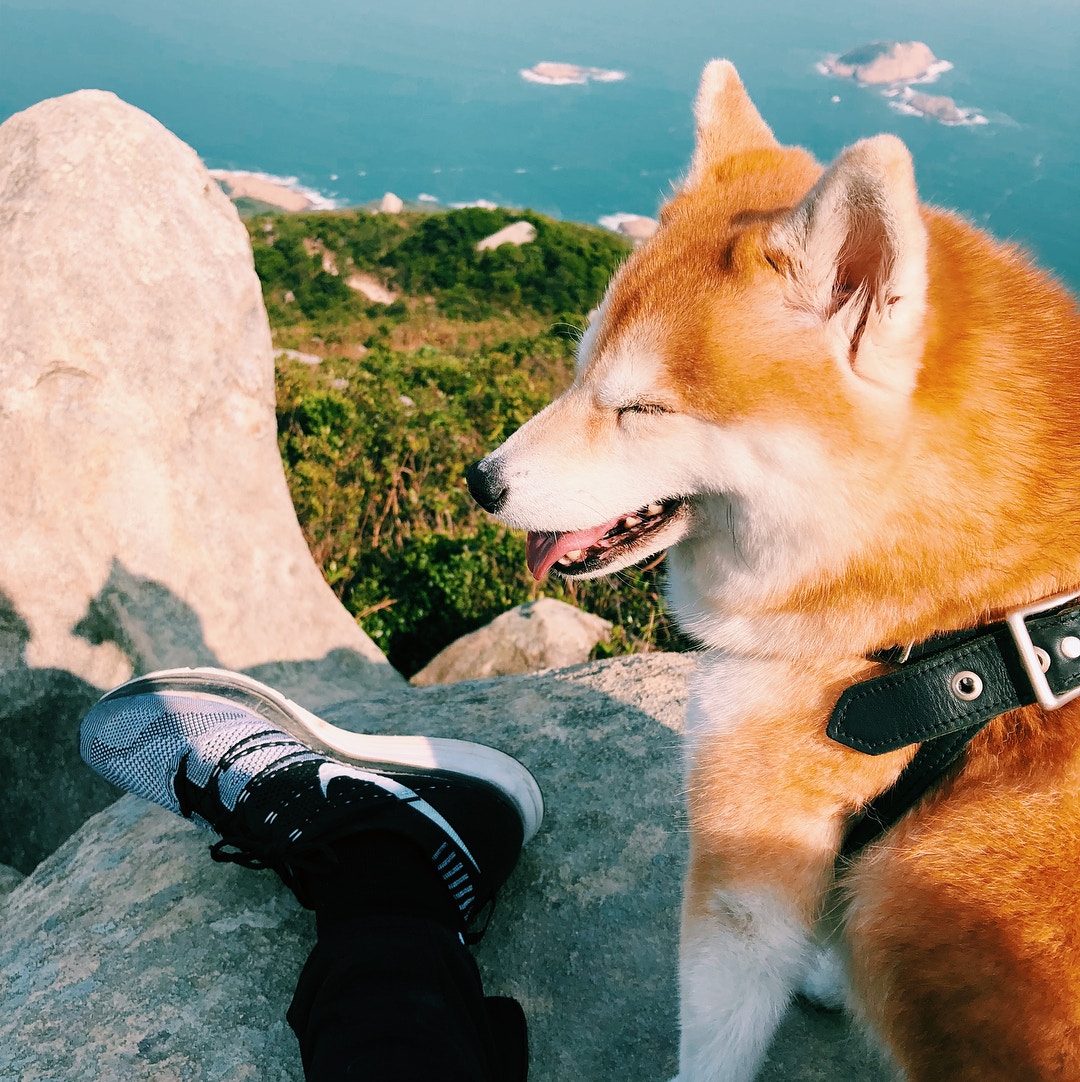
1048,700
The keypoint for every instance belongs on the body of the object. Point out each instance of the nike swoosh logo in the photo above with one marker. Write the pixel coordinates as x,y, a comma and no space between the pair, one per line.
330,770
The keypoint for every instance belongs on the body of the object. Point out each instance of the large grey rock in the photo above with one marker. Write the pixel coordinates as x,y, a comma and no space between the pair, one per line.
144,512
541,634
129,956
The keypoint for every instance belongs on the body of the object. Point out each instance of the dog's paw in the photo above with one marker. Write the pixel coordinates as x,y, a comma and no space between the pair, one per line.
825,982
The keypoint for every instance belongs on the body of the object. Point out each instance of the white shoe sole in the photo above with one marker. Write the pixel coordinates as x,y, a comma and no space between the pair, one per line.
364,749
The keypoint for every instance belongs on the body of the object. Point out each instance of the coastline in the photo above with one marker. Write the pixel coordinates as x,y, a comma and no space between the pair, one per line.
283,192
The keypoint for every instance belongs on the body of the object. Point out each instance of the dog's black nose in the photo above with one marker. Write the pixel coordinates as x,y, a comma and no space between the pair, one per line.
485,486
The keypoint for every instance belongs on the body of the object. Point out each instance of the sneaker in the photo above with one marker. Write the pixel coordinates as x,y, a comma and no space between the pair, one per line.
280,785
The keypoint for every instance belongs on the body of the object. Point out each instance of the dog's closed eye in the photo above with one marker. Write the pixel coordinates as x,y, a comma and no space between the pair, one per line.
640,407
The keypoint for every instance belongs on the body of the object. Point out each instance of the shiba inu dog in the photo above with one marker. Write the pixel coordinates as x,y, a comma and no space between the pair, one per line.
853,420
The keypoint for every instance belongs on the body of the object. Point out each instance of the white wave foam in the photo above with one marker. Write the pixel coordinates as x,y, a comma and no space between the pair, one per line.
614,221
484,204
423,197
938,67
636,227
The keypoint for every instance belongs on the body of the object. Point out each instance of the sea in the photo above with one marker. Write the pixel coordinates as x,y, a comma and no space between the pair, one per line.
349,99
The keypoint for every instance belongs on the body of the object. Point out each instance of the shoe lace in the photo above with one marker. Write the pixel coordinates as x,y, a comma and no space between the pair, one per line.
284,858
193,799
189,794
282,855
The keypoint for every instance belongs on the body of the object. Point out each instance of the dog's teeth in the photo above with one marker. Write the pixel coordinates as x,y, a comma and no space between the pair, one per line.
565,561
654,509
631,520
573,556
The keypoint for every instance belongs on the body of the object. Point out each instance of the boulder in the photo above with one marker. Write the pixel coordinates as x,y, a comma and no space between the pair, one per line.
371,287
175,968
390,204
148,522
130,955
638,227
297,355
515,233
542,634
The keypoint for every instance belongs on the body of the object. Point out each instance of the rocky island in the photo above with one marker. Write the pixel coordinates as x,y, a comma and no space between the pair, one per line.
886,63
937,107
554,73
896,66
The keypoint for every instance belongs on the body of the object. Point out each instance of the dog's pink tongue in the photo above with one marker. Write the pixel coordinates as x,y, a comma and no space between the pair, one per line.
542,550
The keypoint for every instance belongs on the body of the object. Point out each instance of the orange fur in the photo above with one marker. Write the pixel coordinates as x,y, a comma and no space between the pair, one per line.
929,378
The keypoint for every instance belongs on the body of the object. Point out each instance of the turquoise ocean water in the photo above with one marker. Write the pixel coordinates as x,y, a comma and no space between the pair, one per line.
425,97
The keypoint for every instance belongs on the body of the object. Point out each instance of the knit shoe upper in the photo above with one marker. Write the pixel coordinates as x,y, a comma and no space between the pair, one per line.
280,786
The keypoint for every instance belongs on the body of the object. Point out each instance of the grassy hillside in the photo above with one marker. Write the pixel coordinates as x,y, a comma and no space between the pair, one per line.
377,436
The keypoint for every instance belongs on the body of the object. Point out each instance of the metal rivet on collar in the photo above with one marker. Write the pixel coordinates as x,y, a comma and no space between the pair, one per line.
1070,647
966,685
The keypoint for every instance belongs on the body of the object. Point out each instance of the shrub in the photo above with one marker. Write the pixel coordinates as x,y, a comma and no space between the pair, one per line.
565,269
375,449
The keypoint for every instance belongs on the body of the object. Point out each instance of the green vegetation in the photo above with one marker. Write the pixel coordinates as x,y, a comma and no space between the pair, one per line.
376,438
565,270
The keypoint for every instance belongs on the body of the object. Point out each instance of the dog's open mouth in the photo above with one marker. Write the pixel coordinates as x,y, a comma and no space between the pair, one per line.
577,552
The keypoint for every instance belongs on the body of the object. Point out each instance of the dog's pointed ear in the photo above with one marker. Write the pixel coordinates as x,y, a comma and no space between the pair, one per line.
854,254
727,121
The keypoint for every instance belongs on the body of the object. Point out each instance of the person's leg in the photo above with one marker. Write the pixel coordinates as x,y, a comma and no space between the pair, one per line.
404,972
390,952
395,842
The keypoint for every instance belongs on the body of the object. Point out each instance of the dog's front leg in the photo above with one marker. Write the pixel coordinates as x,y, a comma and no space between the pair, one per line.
768,798
744,950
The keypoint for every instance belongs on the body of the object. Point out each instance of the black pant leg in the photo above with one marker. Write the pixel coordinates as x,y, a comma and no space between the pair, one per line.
399,997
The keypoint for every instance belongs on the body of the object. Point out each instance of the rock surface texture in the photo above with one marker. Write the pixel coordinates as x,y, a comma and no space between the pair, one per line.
146,521
542,634
148,524
130,956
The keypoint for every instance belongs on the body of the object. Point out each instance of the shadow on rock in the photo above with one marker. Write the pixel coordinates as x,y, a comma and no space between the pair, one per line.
48,792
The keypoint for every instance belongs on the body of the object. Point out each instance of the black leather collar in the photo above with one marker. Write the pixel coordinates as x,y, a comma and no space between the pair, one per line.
947,689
